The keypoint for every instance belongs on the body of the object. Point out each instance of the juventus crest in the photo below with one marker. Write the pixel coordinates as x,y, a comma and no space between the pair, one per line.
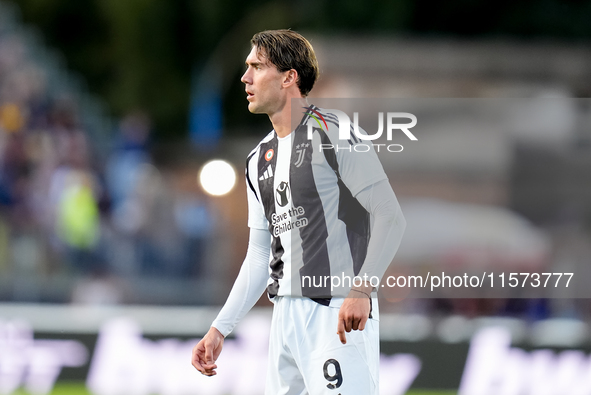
301,153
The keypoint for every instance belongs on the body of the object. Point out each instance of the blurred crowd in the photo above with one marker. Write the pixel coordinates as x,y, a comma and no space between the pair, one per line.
70,211
89,216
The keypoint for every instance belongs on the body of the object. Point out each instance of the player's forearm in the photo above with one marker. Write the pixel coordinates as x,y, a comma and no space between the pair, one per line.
249,285
384,242
388,225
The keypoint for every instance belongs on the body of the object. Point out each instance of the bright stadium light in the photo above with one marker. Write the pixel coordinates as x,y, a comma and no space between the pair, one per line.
217,177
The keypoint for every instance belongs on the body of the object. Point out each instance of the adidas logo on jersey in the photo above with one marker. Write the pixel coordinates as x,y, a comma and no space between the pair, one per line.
267,174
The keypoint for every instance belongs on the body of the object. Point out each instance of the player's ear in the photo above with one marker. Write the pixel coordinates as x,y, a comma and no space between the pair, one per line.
290,78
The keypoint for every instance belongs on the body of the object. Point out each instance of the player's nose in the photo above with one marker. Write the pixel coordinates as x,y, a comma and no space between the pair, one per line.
246,78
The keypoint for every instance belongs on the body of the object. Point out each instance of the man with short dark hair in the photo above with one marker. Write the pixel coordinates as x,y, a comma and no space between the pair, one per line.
310,216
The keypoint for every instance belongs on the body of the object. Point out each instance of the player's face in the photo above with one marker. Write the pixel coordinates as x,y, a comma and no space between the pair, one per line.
263,84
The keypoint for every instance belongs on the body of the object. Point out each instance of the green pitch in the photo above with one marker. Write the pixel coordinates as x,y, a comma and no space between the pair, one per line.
77,388
63,388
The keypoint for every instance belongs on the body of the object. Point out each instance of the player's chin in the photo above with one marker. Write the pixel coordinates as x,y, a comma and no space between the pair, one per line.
254,108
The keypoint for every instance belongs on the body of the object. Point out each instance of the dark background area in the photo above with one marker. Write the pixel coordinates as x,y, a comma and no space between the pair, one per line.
143,53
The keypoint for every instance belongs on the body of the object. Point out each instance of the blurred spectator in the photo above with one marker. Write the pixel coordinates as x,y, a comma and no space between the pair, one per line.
126,166
49,189
13,161
161,233
74,194
195,222
131,152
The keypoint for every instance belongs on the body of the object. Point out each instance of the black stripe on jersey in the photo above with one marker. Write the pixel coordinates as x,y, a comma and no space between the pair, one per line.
248,176
267,190
316,262
351,212
333,122
328,116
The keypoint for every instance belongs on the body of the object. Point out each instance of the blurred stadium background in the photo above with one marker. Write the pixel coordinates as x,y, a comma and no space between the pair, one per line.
113,256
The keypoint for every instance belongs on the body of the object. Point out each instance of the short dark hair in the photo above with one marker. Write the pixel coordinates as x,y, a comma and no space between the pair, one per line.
288,50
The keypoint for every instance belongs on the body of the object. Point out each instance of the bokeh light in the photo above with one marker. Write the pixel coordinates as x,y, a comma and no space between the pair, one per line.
217,177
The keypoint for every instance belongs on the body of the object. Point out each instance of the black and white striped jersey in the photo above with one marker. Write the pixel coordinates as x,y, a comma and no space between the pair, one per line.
303,192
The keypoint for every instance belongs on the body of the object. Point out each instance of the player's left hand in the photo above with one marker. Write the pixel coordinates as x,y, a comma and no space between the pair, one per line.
354,312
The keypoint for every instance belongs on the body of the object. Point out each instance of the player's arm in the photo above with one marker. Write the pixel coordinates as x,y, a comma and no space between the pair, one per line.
247,289
387,228
388,225
364,176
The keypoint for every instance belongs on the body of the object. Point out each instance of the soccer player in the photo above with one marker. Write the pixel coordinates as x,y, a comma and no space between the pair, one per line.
315,216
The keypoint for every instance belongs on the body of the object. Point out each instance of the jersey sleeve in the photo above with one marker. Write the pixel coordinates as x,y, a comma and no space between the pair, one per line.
358,163
249,285
256,214
387,228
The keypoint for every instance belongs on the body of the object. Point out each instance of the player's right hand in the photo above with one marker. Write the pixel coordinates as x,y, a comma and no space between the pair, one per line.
207,351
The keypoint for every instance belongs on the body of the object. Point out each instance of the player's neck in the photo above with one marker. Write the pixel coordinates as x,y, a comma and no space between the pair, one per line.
282,121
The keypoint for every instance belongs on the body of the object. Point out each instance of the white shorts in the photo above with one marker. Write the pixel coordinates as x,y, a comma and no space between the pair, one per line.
306,356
